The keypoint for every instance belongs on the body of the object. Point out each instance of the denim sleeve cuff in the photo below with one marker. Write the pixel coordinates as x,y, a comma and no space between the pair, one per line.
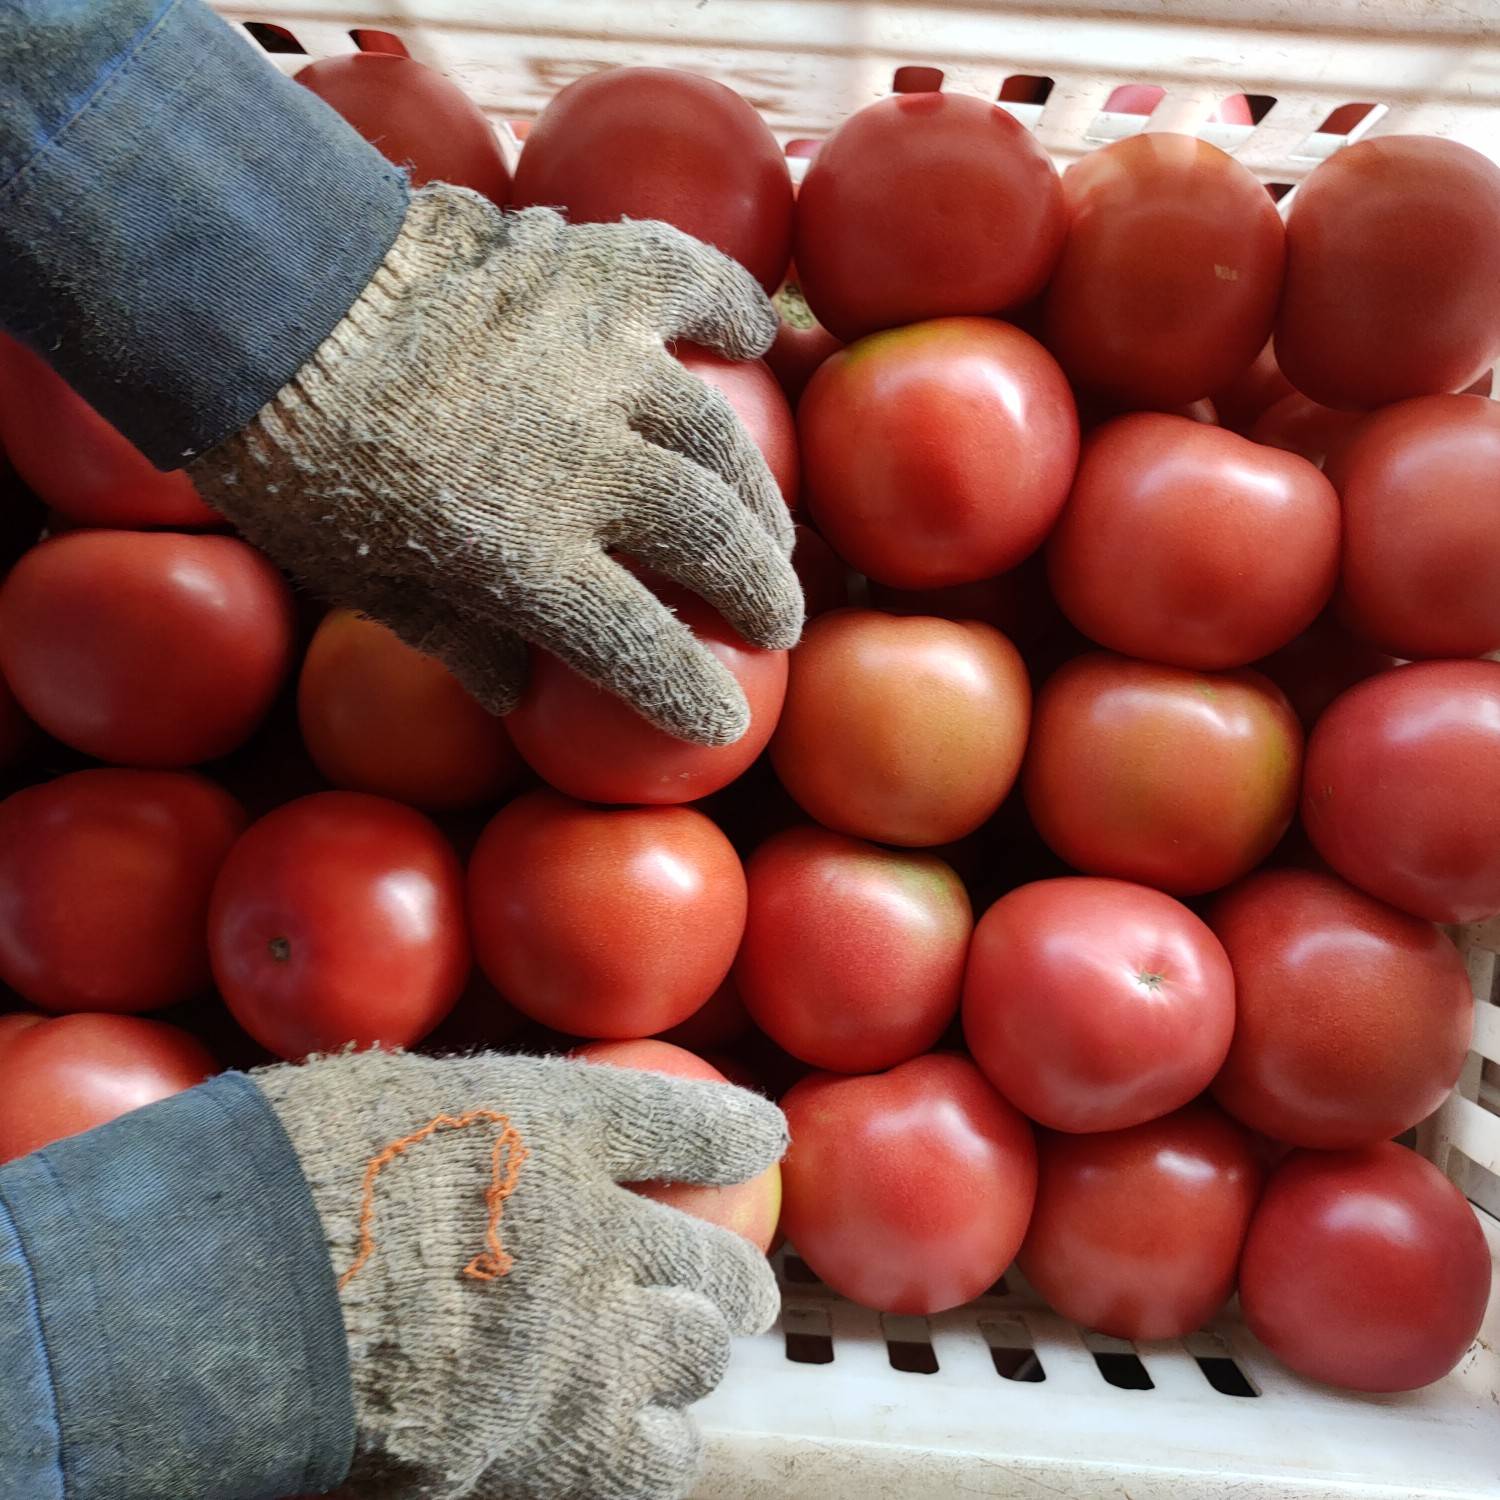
178,1329
180,225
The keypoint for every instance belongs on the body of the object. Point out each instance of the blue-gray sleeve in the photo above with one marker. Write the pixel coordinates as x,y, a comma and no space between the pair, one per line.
180,225
169,1324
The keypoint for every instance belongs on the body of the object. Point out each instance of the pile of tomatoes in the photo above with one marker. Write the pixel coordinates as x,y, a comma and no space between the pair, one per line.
1076,886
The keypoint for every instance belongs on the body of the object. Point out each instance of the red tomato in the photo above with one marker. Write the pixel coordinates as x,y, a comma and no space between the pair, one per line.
908,1191
752,390
1353,1019
1096,1004
1365,1269
1168,282
146,648
415,117
605,922
68,1075
906,731
821,572
720,1021
15,1022
77,462
1402,790
379,717
1257,388
853,955
1390,282
752,1208
938,454
653,143
925,205
1177,779
1297,425
1322,662
1190,545
1420,482
802,343
591,744
1138,1232
104,884
336,919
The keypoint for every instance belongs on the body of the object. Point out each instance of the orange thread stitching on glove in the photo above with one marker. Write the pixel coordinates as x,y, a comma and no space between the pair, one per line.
494,1261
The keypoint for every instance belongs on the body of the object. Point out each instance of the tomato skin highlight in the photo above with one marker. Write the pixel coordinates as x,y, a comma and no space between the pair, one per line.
939,453
604,922
1138,1232
68,1074
1170,274
1390,289
1365,1269
925,205
1402,789
907,1191
1352,1019
853,955
339,919
1096,1004
149,649
655,143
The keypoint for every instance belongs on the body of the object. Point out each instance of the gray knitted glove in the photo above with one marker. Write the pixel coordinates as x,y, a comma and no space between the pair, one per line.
495,415
520,1326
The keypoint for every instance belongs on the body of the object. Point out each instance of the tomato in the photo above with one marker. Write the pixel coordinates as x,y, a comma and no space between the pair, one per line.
379,717
1353,1019
1420,482
853,955
1190,545
940,453
821,572
653,143
925,205
605,922
145,648
720,1021
1177,779
1322,662
15,1022
802,343
591,744
908,1191
906,731
1096,1004
415,117
752,1208
1390,285
69,1074
1402,790
104,884
336,919
1257,388
1168,283
1365,1268
1297,425
77,462
752,390
1138,1232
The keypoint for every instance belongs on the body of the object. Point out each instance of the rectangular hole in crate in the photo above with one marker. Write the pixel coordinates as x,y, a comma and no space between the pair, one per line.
808,1335
915,78
274,38
908,1343
1012,1351
1025,88
1118,1362
1220,1369
798,1272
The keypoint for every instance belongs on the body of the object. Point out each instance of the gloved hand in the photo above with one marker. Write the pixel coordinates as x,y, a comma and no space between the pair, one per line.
521,1327
497,413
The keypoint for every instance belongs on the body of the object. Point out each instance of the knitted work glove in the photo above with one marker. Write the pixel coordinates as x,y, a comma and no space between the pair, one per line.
495,415
520,1326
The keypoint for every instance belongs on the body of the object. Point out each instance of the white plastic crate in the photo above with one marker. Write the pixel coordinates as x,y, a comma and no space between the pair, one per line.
874,1408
